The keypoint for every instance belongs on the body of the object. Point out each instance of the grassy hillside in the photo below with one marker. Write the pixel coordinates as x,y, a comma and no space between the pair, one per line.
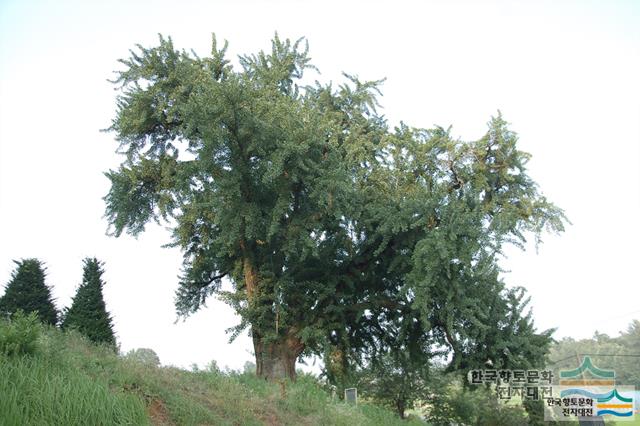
68,381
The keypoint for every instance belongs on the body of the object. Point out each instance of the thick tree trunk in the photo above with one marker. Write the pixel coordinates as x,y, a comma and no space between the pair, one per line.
277,360
400,407
274,359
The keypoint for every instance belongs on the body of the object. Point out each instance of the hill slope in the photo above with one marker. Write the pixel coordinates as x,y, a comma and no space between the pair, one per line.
72,382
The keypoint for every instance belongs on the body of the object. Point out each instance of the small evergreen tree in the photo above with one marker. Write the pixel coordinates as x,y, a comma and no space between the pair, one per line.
27,291
88,313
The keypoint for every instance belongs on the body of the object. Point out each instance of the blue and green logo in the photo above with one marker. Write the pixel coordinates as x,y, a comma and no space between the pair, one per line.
598,386
577,376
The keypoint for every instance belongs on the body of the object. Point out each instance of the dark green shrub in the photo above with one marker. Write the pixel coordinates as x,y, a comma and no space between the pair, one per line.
19,335
451,403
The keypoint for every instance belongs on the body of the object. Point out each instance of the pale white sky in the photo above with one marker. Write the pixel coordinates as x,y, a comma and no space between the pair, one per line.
564,73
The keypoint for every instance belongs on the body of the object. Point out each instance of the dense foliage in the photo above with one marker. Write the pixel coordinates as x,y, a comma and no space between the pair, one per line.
88,313
452,403
28,292
19,335
395,380
340,235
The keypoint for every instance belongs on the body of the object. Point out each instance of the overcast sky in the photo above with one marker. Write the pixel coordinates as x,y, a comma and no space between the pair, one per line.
565,74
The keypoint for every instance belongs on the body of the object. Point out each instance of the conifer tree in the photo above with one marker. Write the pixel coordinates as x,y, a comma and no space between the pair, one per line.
28,292
88,313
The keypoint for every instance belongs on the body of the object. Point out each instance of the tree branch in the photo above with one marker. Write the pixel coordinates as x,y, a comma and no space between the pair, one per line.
203,284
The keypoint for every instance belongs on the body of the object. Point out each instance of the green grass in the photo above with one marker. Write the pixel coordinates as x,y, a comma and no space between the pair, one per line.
68,381
34,392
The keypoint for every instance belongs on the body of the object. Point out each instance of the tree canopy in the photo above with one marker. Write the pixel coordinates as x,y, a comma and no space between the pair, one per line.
339,234
28,292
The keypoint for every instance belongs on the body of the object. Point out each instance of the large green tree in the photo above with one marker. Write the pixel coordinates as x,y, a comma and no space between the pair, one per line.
331,226
88,312
28,292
